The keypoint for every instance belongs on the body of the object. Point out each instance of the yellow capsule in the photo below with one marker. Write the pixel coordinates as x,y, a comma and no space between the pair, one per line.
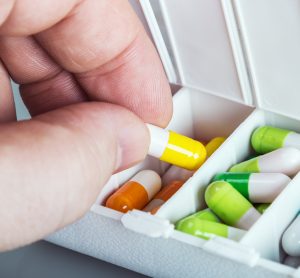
175,148
136,193
213,145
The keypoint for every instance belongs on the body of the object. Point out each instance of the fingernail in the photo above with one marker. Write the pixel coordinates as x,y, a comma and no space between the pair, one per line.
133,144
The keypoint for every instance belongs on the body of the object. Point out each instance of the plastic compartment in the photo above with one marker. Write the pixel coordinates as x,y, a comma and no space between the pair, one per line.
196,114
265,235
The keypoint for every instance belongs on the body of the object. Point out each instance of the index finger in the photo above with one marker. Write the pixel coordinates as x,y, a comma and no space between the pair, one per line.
104,45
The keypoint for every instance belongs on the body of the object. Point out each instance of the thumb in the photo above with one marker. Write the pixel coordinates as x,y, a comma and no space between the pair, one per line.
54,166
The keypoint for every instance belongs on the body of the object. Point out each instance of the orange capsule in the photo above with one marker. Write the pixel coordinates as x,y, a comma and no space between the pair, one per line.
162,196
136,193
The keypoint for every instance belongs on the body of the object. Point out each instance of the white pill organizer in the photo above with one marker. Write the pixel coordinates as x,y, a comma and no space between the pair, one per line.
238,65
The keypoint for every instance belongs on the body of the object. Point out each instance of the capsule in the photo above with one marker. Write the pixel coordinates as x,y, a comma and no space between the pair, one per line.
136,193
291,238
292,261
262,207
267,138
230,206
256,187
207,229
175,148
175,173
162,196
213,145
206,214
284,160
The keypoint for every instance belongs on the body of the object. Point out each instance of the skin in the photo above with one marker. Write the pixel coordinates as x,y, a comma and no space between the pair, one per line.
90,78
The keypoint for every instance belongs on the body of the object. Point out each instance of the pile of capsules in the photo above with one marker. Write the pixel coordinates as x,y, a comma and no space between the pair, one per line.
239,197
146,190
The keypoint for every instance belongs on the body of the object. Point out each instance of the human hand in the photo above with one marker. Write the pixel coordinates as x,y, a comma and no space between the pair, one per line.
90,77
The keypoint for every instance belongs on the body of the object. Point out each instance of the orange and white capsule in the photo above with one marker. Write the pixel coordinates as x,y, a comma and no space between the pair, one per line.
136,193
162,196
175,148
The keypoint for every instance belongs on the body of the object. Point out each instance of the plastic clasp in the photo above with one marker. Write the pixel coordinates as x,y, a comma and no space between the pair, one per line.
233,250
147,224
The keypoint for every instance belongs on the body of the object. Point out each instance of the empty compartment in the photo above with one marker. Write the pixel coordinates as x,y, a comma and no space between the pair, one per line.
197,115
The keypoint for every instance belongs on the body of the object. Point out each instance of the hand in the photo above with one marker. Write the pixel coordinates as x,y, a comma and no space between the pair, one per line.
90,77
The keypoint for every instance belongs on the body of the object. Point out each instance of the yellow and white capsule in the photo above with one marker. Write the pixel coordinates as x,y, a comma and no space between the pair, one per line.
175,148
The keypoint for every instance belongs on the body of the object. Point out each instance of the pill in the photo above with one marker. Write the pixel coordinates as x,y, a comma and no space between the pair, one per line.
136,193
230,206
175,148
291,238
267,138
176,173
208,229
292,261
163,195
256,187
213,145
206,214
262,207
284,160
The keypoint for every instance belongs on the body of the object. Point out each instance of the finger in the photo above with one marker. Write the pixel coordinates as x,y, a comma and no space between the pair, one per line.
53,166
105,45
7,105
44,86
26,17
121,66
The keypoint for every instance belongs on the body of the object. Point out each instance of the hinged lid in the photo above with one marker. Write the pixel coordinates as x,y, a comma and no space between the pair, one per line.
233,250
195,46
247,51
147,224
270,32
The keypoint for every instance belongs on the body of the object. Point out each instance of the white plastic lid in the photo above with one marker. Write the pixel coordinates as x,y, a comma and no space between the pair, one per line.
247,51
270,32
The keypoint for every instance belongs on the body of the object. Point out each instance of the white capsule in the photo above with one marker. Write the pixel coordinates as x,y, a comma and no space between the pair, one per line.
291,238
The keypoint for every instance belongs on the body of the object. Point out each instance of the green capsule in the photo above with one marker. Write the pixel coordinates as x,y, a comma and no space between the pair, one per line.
206,214
207,229
228,204
262,207
240,181
267,138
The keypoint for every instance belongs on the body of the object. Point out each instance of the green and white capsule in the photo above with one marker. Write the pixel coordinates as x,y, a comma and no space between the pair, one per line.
206,214
230,206
207,229
256,187
267,138
262,207
284,160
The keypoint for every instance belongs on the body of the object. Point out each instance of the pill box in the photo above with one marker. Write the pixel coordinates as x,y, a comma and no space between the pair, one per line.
237,63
